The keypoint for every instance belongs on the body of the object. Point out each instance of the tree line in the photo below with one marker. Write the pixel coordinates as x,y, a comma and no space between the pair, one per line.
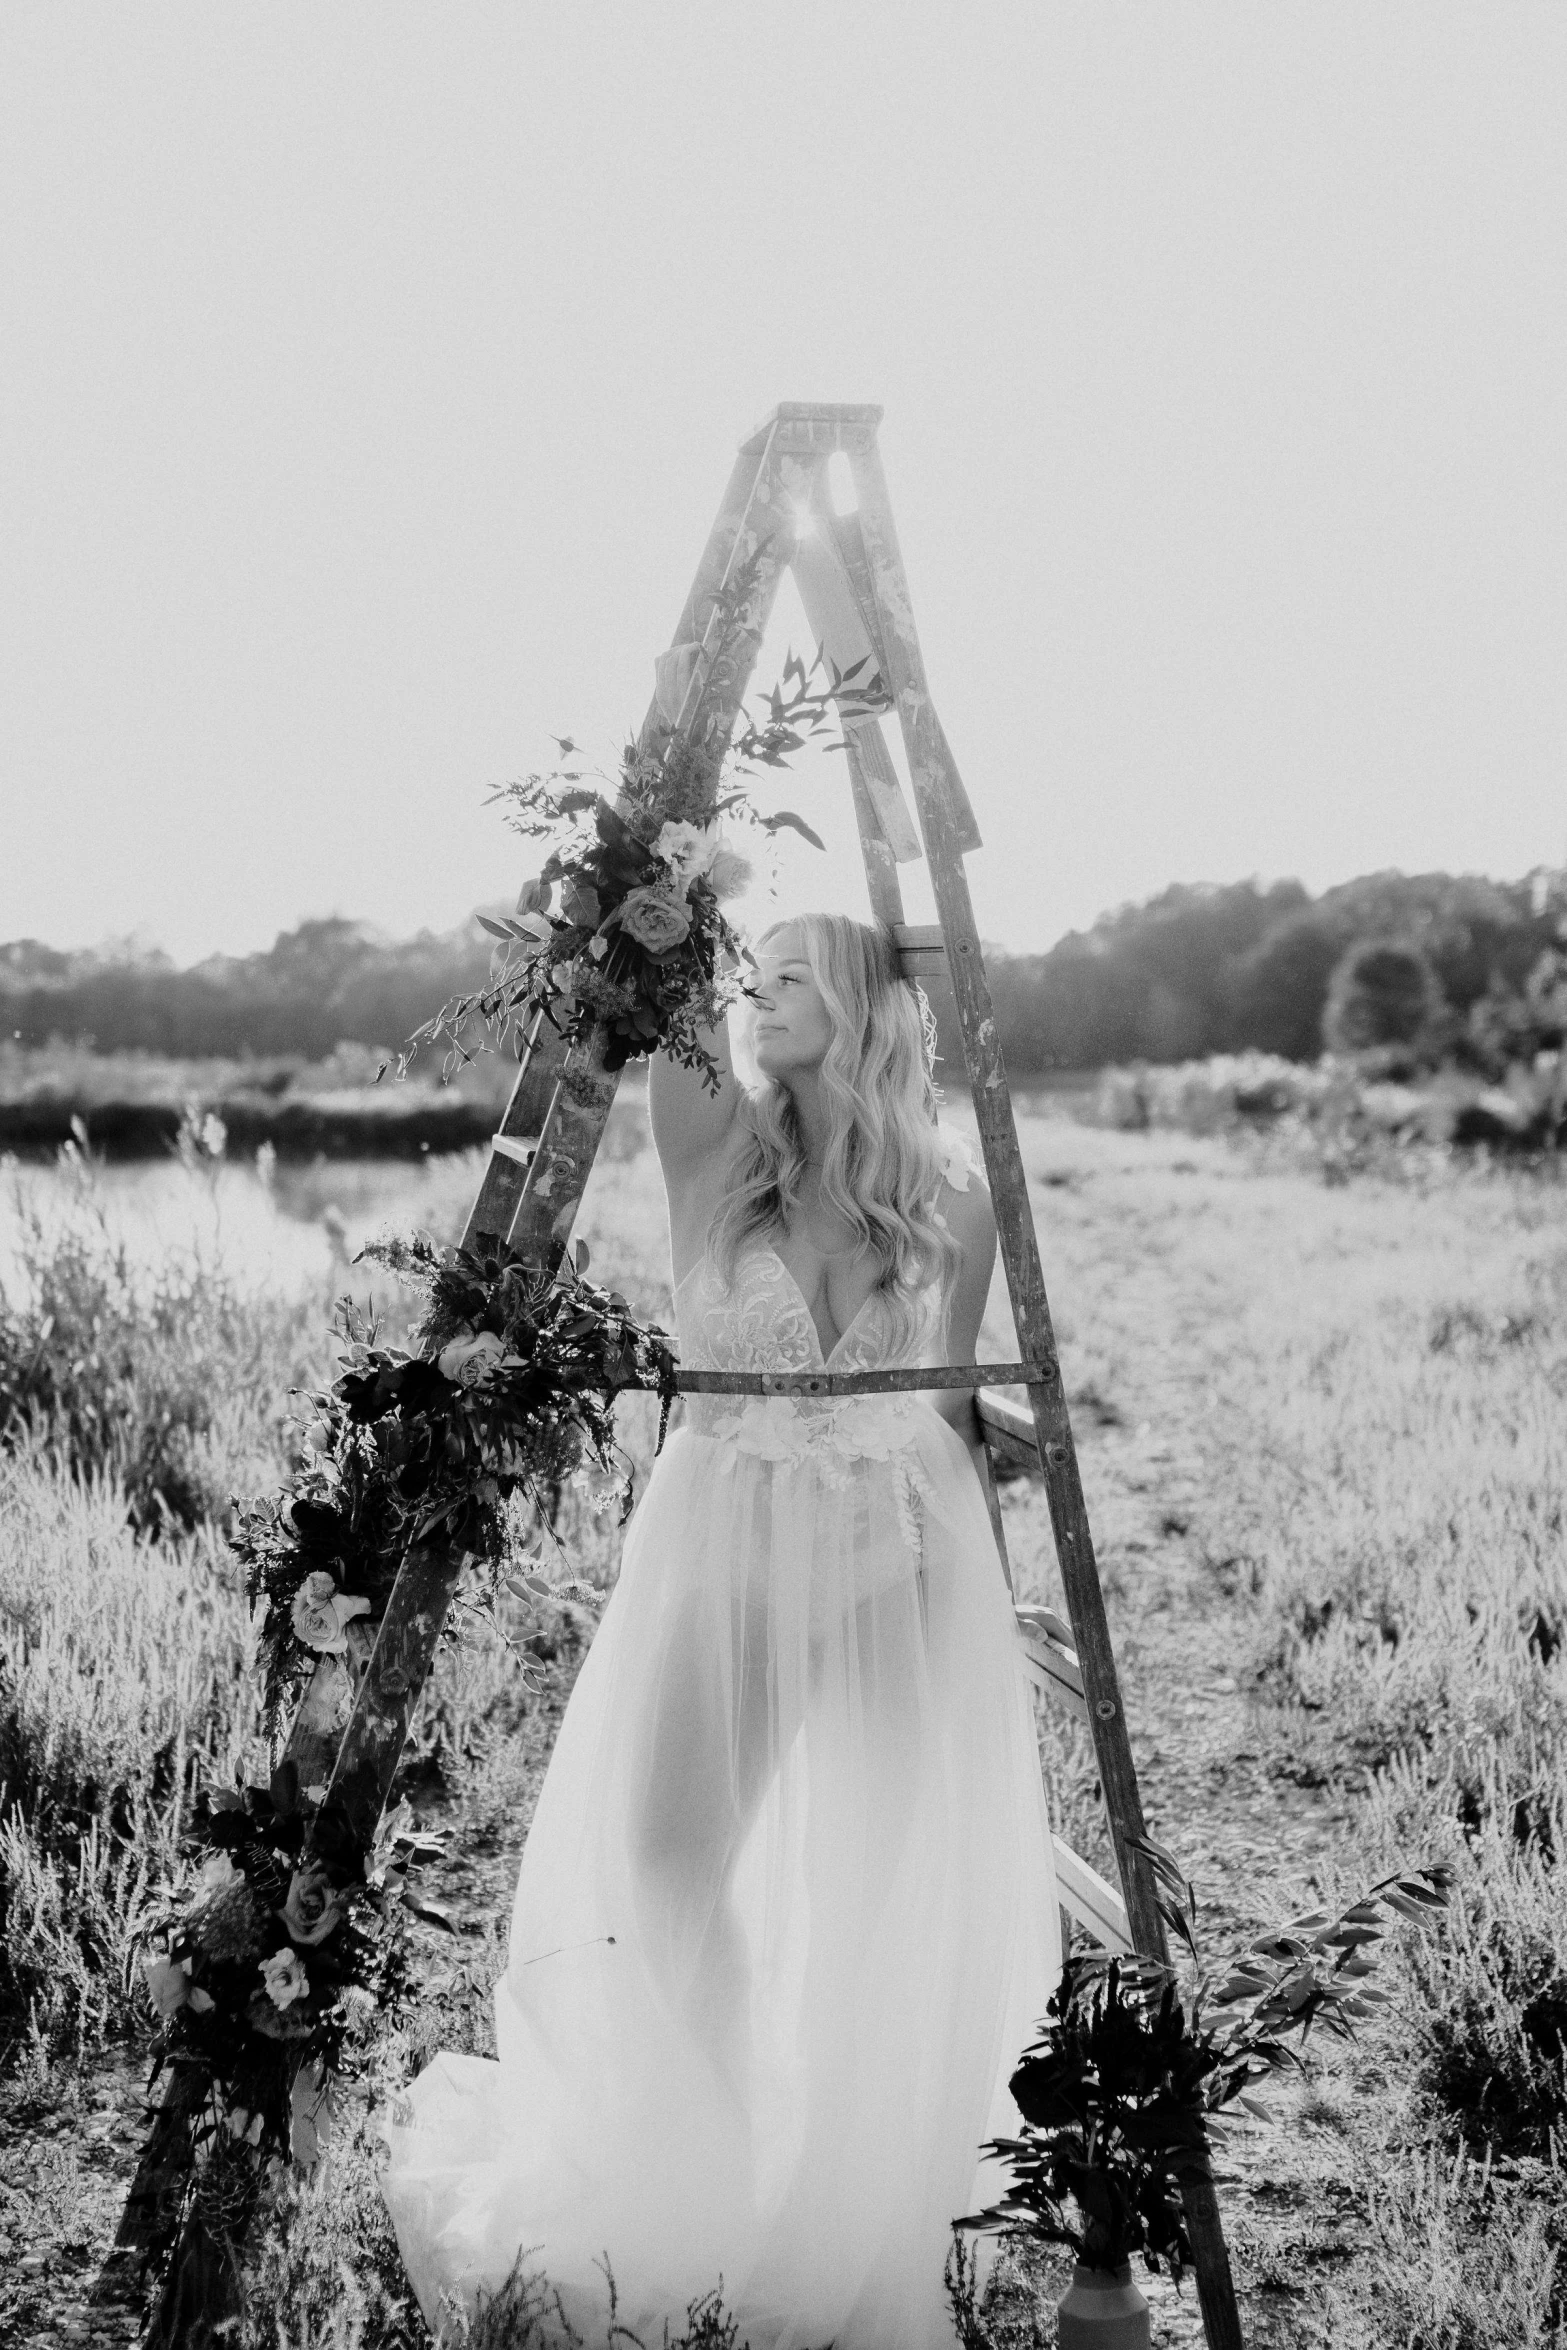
1427,965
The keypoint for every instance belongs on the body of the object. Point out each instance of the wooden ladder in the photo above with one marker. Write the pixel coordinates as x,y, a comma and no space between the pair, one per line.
776,513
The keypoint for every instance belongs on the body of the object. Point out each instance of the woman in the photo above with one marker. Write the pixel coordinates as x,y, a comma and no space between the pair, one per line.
786,1912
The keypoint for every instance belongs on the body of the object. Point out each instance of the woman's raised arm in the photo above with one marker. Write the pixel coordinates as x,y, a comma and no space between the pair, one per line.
691,1124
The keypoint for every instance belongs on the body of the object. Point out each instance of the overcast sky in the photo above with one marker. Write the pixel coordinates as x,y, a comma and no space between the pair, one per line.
372,374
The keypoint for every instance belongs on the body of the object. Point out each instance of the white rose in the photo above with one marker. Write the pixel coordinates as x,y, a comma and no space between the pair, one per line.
471,1362
285,1977
688,849
730,874
321,1611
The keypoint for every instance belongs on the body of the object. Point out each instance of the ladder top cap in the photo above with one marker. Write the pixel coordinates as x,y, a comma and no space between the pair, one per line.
825,418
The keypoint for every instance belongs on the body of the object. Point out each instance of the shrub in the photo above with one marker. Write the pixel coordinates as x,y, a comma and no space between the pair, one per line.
1492,1998
1385,998
1460,2264
171,1376
123,1674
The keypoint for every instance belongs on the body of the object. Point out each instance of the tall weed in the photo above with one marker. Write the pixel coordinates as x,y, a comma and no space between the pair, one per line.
1459,2265
173,1374
124,1677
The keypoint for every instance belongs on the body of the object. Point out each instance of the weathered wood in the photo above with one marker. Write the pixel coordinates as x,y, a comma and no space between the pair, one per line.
893,820
815,426
1052,1662
391,1684
927,758
922,951
500,1186
891,1381
856,556
155,2191
876,851
318,1726
939,800
1085,1895
1008,1429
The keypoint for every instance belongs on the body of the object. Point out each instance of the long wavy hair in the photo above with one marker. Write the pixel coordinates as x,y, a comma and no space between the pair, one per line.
884,1163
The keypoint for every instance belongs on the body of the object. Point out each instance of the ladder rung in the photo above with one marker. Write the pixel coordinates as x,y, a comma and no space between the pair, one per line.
1097,1905
1008,1430
1050,1657
816,421
922,950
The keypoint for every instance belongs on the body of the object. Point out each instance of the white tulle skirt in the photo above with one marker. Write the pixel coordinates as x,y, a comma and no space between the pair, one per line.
785,1918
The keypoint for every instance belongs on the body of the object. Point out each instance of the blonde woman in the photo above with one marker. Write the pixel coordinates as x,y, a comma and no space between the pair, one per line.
786,1911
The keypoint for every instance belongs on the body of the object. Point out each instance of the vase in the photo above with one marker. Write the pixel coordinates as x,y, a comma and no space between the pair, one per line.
1102,2309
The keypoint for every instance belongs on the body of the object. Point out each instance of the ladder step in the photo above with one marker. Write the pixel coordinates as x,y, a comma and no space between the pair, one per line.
817,424
1095,1904
922,950
1008,1430
1050,1657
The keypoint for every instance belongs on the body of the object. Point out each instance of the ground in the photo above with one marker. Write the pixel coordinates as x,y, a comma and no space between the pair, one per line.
1201,1302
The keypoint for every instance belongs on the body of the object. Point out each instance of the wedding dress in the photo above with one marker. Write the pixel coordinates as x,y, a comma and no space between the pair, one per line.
787,1911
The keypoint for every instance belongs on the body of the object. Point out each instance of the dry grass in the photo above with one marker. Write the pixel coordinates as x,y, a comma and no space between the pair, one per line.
1325,1451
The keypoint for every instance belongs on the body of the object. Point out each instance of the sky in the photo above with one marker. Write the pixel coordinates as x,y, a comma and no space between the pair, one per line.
372,375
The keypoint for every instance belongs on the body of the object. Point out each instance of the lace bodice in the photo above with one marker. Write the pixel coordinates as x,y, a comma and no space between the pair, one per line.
761,1322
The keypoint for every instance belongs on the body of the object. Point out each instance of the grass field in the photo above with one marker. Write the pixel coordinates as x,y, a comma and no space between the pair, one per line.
1324,1438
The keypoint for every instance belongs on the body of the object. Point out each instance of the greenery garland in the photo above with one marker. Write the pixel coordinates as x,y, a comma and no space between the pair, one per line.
623,930
508,1391
261,1959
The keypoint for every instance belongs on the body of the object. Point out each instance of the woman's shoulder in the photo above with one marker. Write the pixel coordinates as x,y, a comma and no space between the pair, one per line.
960,1166
962,1201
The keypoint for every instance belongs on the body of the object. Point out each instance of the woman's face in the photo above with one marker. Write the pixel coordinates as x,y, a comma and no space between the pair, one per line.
792,1027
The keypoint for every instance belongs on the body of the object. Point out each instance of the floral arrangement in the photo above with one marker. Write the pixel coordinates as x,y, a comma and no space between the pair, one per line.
257,1965
1119,2094
261,1966
624,924
509,1390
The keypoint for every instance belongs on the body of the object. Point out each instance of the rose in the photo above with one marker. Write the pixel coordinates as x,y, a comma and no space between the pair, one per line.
285,1978
688,849
471,1361
312,1909
321,1611
729,875
655,917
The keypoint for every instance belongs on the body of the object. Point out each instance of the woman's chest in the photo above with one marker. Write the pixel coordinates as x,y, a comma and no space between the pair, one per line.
835,1283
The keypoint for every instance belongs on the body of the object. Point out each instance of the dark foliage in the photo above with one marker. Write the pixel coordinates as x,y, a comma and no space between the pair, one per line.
1384,998
1120,2093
